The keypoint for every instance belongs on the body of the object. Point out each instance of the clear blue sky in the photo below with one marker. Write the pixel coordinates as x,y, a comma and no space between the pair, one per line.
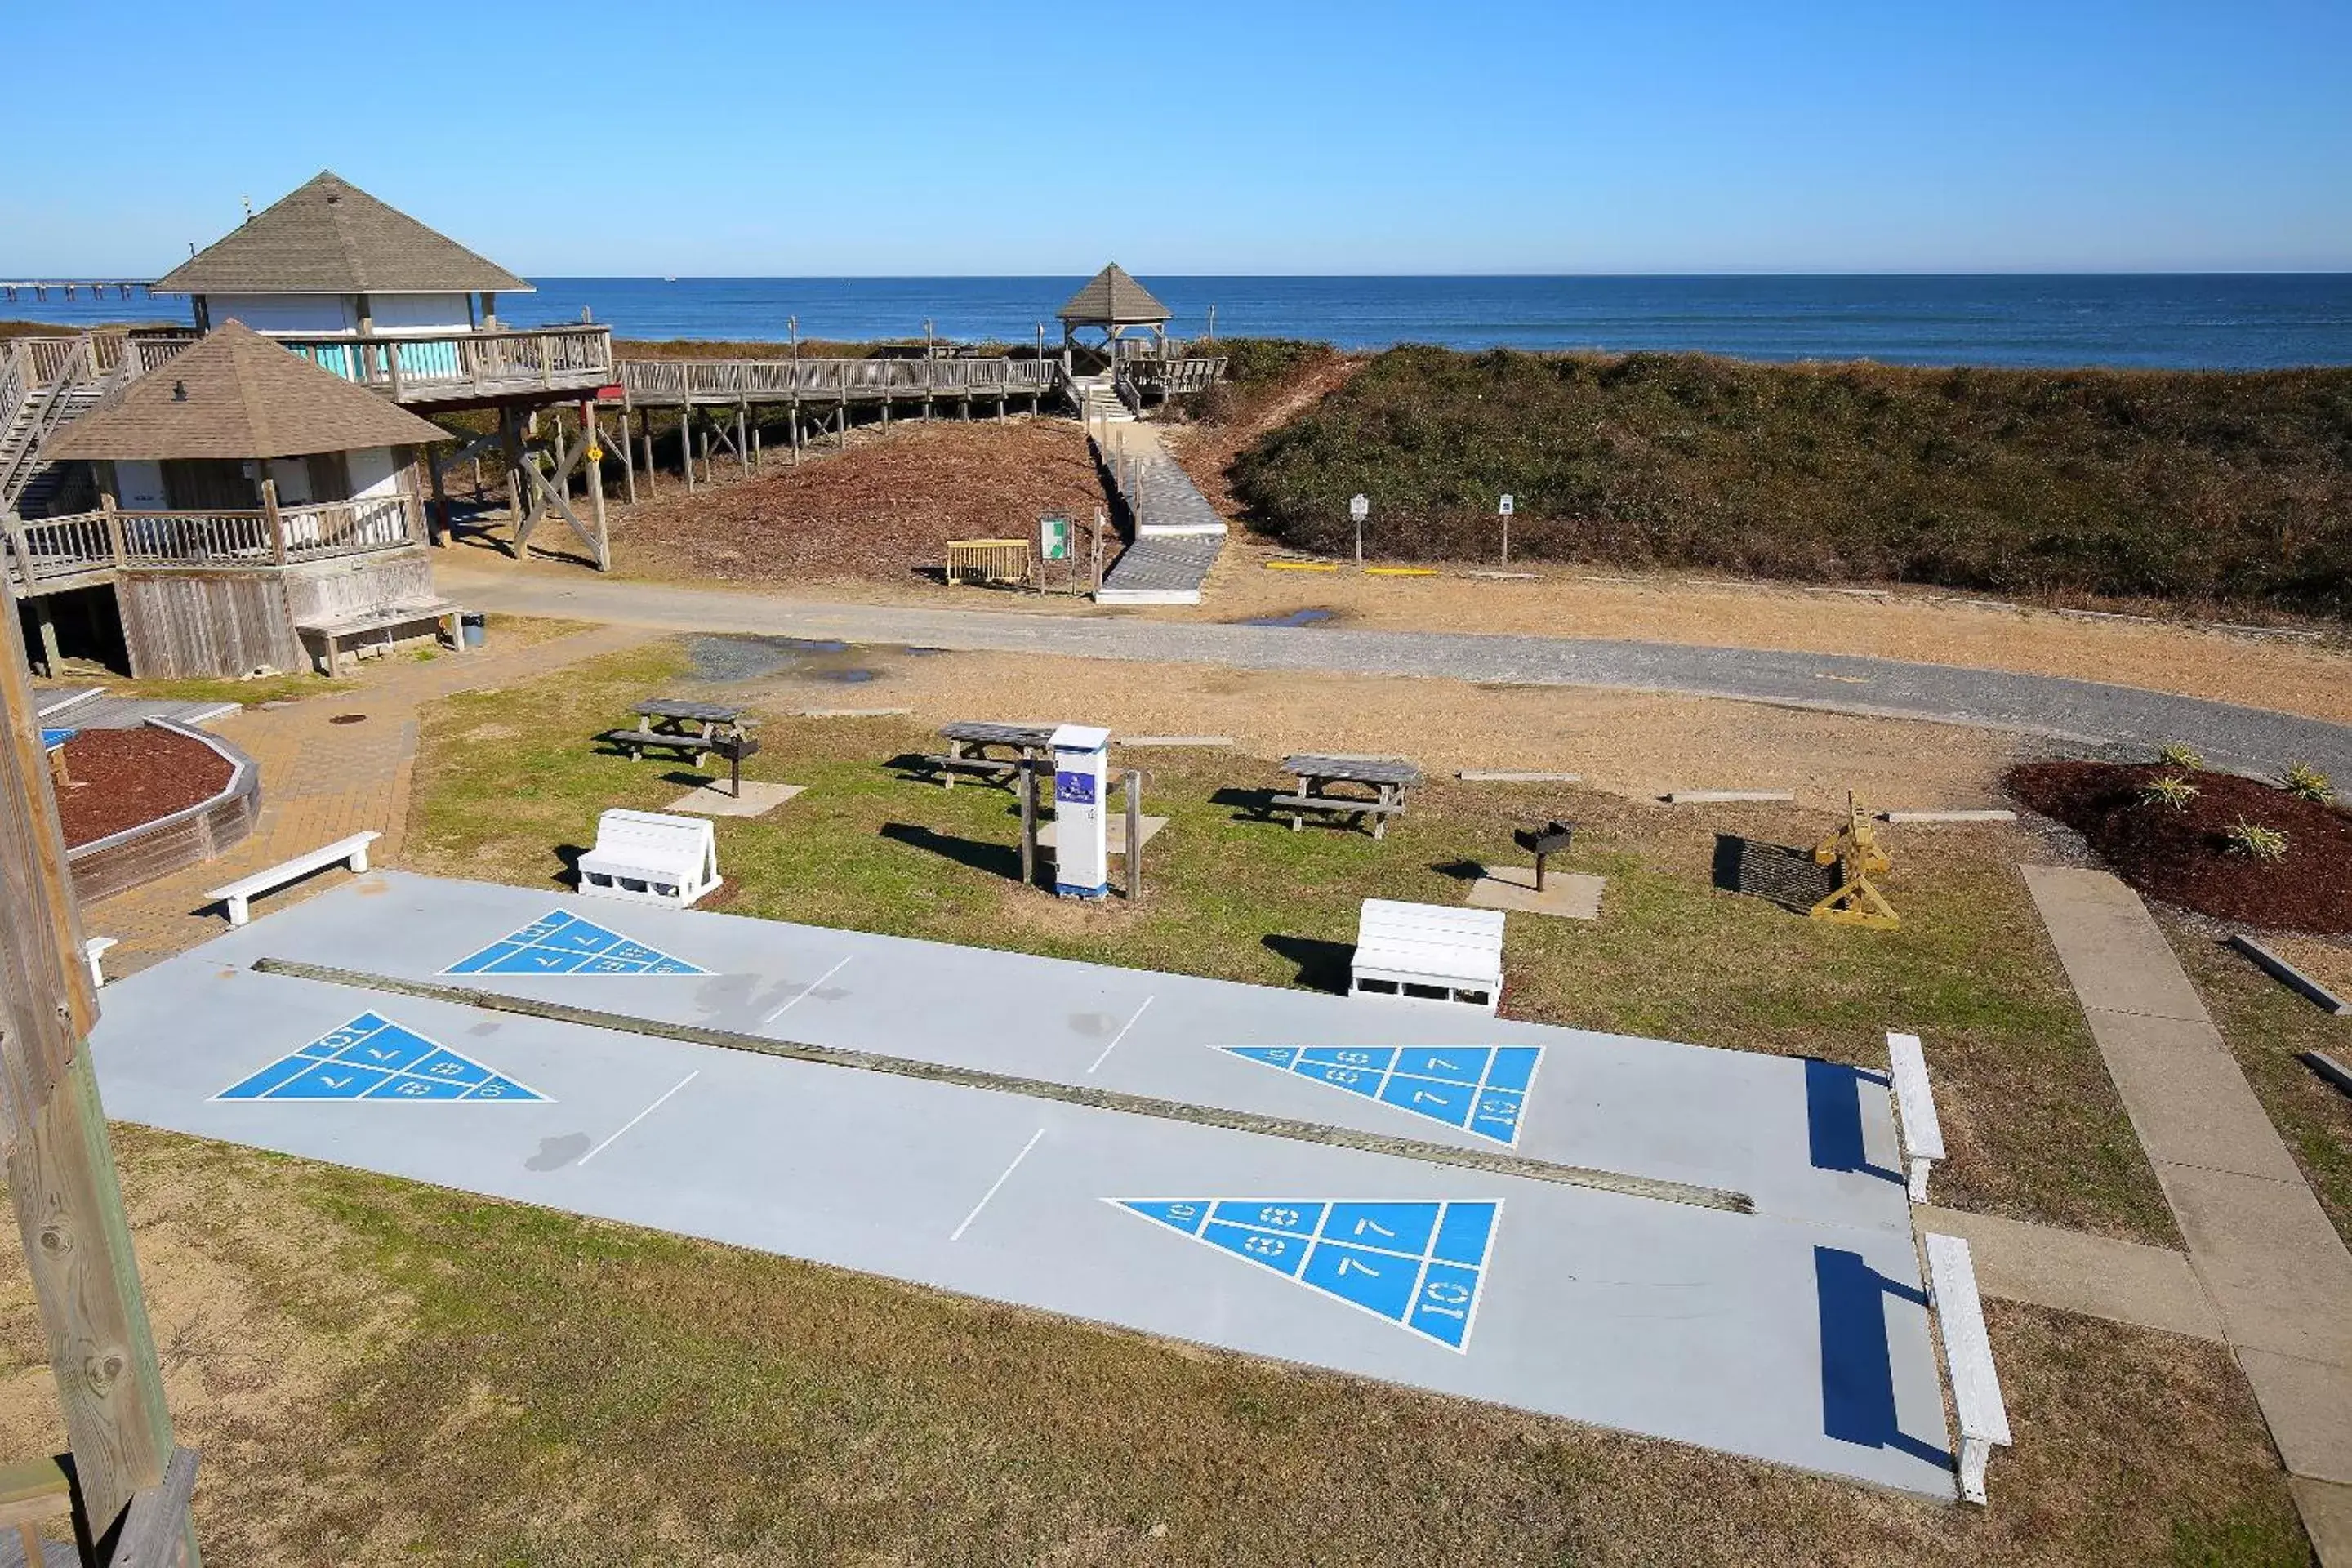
996,137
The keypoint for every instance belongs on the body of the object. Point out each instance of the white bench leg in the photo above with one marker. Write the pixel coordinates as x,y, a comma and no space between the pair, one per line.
1974,1452
358,863
238,910
1919,1180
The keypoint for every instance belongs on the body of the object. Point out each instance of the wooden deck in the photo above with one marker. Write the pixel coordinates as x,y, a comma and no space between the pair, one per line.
468,367
671,384
51,555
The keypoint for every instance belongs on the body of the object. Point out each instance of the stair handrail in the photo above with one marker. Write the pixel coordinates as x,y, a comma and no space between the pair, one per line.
18,467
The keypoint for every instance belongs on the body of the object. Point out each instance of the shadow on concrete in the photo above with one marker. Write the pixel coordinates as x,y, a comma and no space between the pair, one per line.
1857,1372
1833,1117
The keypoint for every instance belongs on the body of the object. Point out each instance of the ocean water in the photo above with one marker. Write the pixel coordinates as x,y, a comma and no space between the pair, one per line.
2222,321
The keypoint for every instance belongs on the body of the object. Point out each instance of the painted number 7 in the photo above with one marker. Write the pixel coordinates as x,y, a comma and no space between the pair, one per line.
1349,1265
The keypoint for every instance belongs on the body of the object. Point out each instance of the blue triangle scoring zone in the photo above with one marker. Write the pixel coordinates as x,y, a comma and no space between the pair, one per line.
562,944
1418,1265
371,1057
1481,1090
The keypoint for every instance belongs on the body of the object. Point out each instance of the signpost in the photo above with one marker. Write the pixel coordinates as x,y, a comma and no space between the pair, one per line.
1504,511
1360,508
1053,537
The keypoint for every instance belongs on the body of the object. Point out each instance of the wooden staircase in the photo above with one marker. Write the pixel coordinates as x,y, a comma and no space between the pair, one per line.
45,384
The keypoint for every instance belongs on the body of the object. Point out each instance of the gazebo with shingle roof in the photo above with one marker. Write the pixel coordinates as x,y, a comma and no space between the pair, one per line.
1111,303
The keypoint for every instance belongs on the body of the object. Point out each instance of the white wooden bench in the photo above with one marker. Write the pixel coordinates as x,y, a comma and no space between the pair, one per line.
1429,953
93,953
651,858
1923,1134
1968,1355
237,896
405,612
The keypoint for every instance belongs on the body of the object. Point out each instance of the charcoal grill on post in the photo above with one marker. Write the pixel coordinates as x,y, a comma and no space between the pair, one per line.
1543,842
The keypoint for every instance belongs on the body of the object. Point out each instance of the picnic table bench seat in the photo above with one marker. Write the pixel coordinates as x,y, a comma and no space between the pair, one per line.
685,728
970,742
332,631
1388,779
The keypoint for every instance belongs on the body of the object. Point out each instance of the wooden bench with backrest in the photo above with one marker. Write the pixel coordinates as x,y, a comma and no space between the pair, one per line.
331,634
970,742
1389,778
1968,1355
236,897
652,858
1428,953
1914,1102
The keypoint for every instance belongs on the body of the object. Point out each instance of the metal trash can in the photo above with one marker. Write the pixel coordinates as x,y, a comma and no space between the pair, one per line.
471,621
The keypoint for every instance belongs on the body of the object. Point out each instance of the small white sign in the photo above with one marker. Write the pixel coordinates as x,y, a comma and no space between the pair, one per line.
1505,508
1360,508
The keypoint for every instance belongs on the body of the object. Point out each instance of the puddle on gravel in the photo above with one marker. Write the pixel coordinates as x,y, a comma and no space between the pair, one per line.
1306,615
729,660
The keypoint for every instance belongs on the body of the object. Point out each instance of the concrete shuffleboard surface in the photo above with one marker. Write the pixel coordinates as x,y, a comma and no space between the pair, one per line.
1797,1333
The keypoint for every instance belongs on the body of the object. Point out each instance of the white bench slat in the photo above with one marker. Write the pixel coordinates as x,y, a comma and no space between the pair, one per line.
236,897
1923,1132
1434,945
1968,1352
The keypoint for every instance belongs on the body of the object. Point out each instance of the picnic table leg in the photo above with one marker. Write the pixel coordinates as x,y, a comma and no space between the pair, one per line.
948,773
1381,819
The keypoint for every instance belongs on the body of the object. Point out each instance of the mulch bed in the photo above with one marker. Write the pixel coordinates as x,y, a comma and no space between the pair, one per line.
882,510
124,777
2180,856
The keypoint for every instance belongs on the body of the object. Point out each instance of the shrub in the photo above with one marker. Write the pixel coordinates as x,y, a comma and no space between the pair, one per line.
2177,755
2306,782
2202,488
2170,790
2255,842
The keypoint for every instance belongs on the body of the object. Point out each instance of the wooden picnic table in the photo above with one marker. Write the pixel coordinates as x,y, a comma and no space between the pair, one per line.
687,728
1388,779
969,743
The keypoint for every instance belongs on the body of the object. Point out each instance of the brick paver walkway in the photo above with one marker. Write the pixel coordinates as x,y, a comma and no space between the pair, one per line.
320,781
2278,1275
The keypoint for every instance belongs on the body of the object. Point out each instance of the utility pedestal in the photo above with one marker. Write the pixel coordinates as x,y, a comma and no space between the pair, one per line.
1081,829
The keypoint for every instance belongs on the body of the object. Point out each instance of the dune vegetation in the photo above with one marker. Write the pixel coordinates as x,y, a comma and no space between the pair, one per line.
2212,490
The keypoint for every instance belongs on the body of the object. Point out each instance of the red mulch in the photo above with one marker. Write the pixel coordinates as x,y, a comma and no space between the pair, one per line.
2181,857
883,510
124,777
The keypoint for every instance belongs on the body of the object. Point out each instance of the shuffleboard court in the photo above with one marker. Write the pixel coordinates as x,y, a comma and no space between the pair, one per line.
1796,1334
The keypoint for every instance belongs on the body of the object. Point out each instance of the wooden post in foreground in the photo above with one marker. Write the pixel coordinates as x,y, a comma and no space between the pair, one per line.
1028,823
1134,835
60,1168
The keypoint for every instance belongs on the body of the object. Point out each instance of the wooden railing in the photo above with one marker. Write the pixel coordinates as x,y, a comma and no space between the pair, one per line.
1173,377
440,367
750,380
55,548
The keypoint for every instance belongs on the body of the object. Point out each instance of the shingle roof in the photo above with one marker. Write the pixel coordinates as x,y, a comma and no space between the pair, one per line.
331,237
1115,298
244,397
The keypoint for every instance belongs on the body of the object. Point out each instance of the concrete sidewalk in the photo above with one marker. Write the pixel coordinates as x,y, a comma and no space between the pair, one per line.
2278,1275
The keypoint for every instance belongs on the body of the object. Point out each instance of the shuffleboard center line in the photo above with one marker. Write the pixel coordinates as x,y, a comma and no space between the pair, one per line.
993,1187
1092,1097
804,994
659,1100
1116,1038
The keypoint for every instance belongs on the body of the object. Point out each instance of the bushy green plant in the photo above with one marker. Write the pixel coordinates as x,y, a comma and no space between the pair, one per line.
2254,842
2306,782
2171,790
2178,754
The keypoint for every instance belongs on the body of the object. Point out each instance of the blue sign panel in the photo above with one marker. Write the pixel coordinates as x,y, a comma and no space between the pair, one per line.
1479,1088
1418,1265
561,943
1079,789
371,1057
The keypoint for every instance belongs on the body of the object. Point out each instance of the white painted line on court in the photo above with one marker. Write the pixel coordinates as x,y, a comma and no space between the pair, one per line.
1121,1036
641,1115
803,995
958,1234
